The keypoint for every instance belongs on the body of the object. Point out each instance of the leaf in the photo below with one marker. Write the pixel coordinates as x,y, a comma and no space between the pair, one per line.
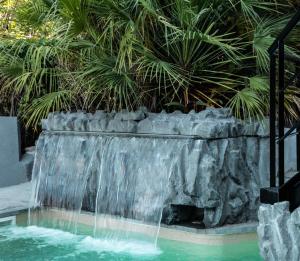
41,107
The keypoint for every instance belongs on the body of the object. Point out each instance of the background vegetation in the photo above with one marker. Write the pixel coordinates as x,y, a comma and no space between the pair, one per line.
163,54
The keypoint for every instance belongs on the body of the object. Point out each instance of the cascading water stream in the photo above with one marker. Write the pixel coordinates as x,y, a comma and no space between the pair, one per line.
124,180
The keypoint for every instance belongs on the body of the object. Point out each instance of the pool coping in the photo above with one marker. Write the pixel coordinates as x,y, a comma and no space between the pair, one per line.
232,229
217,236
211,236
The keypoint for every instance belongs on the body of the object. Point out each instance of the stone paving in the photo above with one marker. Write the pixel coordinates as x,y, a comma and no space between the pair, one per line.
15,198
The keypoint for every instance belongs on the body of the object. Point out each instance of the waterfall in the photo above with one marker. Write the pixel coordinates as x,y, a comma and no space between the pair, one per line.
123,179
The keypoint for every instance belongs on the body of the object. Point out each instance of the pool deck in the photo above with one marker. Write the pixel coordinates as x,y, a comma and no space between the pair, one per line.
14,199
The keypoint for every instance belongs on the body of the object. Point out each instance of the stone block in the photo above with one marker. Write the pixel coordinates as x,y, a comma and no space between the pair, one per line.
122,126
130,116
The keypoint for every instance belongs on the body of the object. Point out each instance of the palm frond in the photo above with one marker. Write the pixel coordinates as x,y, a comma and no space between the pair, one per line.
41,107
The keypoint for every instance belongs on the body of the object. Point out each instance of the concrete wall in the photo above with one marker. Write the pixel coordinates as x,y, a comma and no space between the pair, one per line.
290,155
12,171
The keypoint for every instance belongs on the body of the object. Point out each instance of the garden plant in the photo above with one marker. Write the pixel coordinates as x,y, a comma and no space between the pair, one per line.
62,55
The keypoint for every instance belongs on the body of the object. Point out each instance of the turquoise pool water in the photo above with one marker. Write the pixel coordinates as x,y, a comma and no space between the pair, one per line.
33,243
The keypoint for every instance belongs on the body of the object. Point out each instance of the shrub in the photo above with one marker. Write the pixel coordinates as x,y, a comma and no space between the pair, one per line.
109,54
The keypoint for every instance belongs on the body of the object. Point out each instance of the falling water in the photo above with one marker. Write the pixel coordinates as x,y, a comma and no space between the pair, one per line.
124,180
62,167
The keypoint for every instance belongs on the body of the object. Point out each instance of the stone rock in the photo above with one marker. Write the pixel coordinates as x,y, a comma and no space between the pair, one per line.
100,114
69,124
208,124
157,126
128,126
99,125
45,124
130,116
222,113
279,232
143,109
80,124
27,161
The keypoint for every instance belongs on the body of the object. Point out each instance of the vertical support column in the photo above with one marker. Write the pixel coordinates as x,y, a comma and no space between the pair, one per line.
272,121
298,149
281,121
298,128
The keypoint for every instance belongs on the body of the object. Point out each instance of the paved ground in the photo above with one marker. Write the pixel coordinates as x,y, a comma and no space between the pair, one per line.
15,198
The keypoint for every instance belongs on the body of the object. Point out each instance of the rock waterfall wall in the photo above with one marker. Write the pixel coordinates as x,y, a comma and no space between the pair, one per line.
221,162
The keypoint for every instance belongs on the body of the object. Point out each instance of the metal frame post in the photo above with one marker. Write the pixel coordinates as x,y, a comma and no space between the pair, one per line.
281,121
290,190
298,149
272,120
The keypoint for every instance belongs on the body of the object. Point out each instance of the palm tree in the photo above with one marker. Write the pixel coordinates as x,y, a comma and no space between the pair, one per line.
111,54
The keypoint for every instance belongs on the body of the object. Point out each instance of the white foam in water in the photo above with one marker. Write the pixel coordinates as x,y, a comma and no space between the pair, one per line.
79,242
51,236
130,246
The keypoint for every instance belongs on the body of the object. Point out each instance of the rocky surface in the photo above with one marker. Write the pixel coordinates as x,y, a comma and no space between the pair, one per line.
279,232
27,161
208,124
217,165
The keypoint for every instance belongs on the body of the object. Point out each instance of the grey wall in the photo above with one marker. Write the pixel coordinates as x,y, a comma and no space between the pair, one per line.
290,155
12,171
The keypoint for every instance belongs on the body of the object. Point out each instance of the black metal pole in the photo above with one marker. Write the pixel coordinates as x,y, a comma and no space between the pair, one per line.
298,128
272,120
284,33
298,149
281,121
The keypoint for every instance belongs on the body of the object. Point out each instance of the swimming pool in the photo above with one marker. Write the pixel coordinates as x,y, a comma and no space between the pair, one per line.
32,243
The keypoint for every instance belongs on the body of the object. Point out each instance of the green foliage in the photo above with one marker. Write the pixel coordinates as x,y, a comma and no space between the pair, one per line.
110,54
